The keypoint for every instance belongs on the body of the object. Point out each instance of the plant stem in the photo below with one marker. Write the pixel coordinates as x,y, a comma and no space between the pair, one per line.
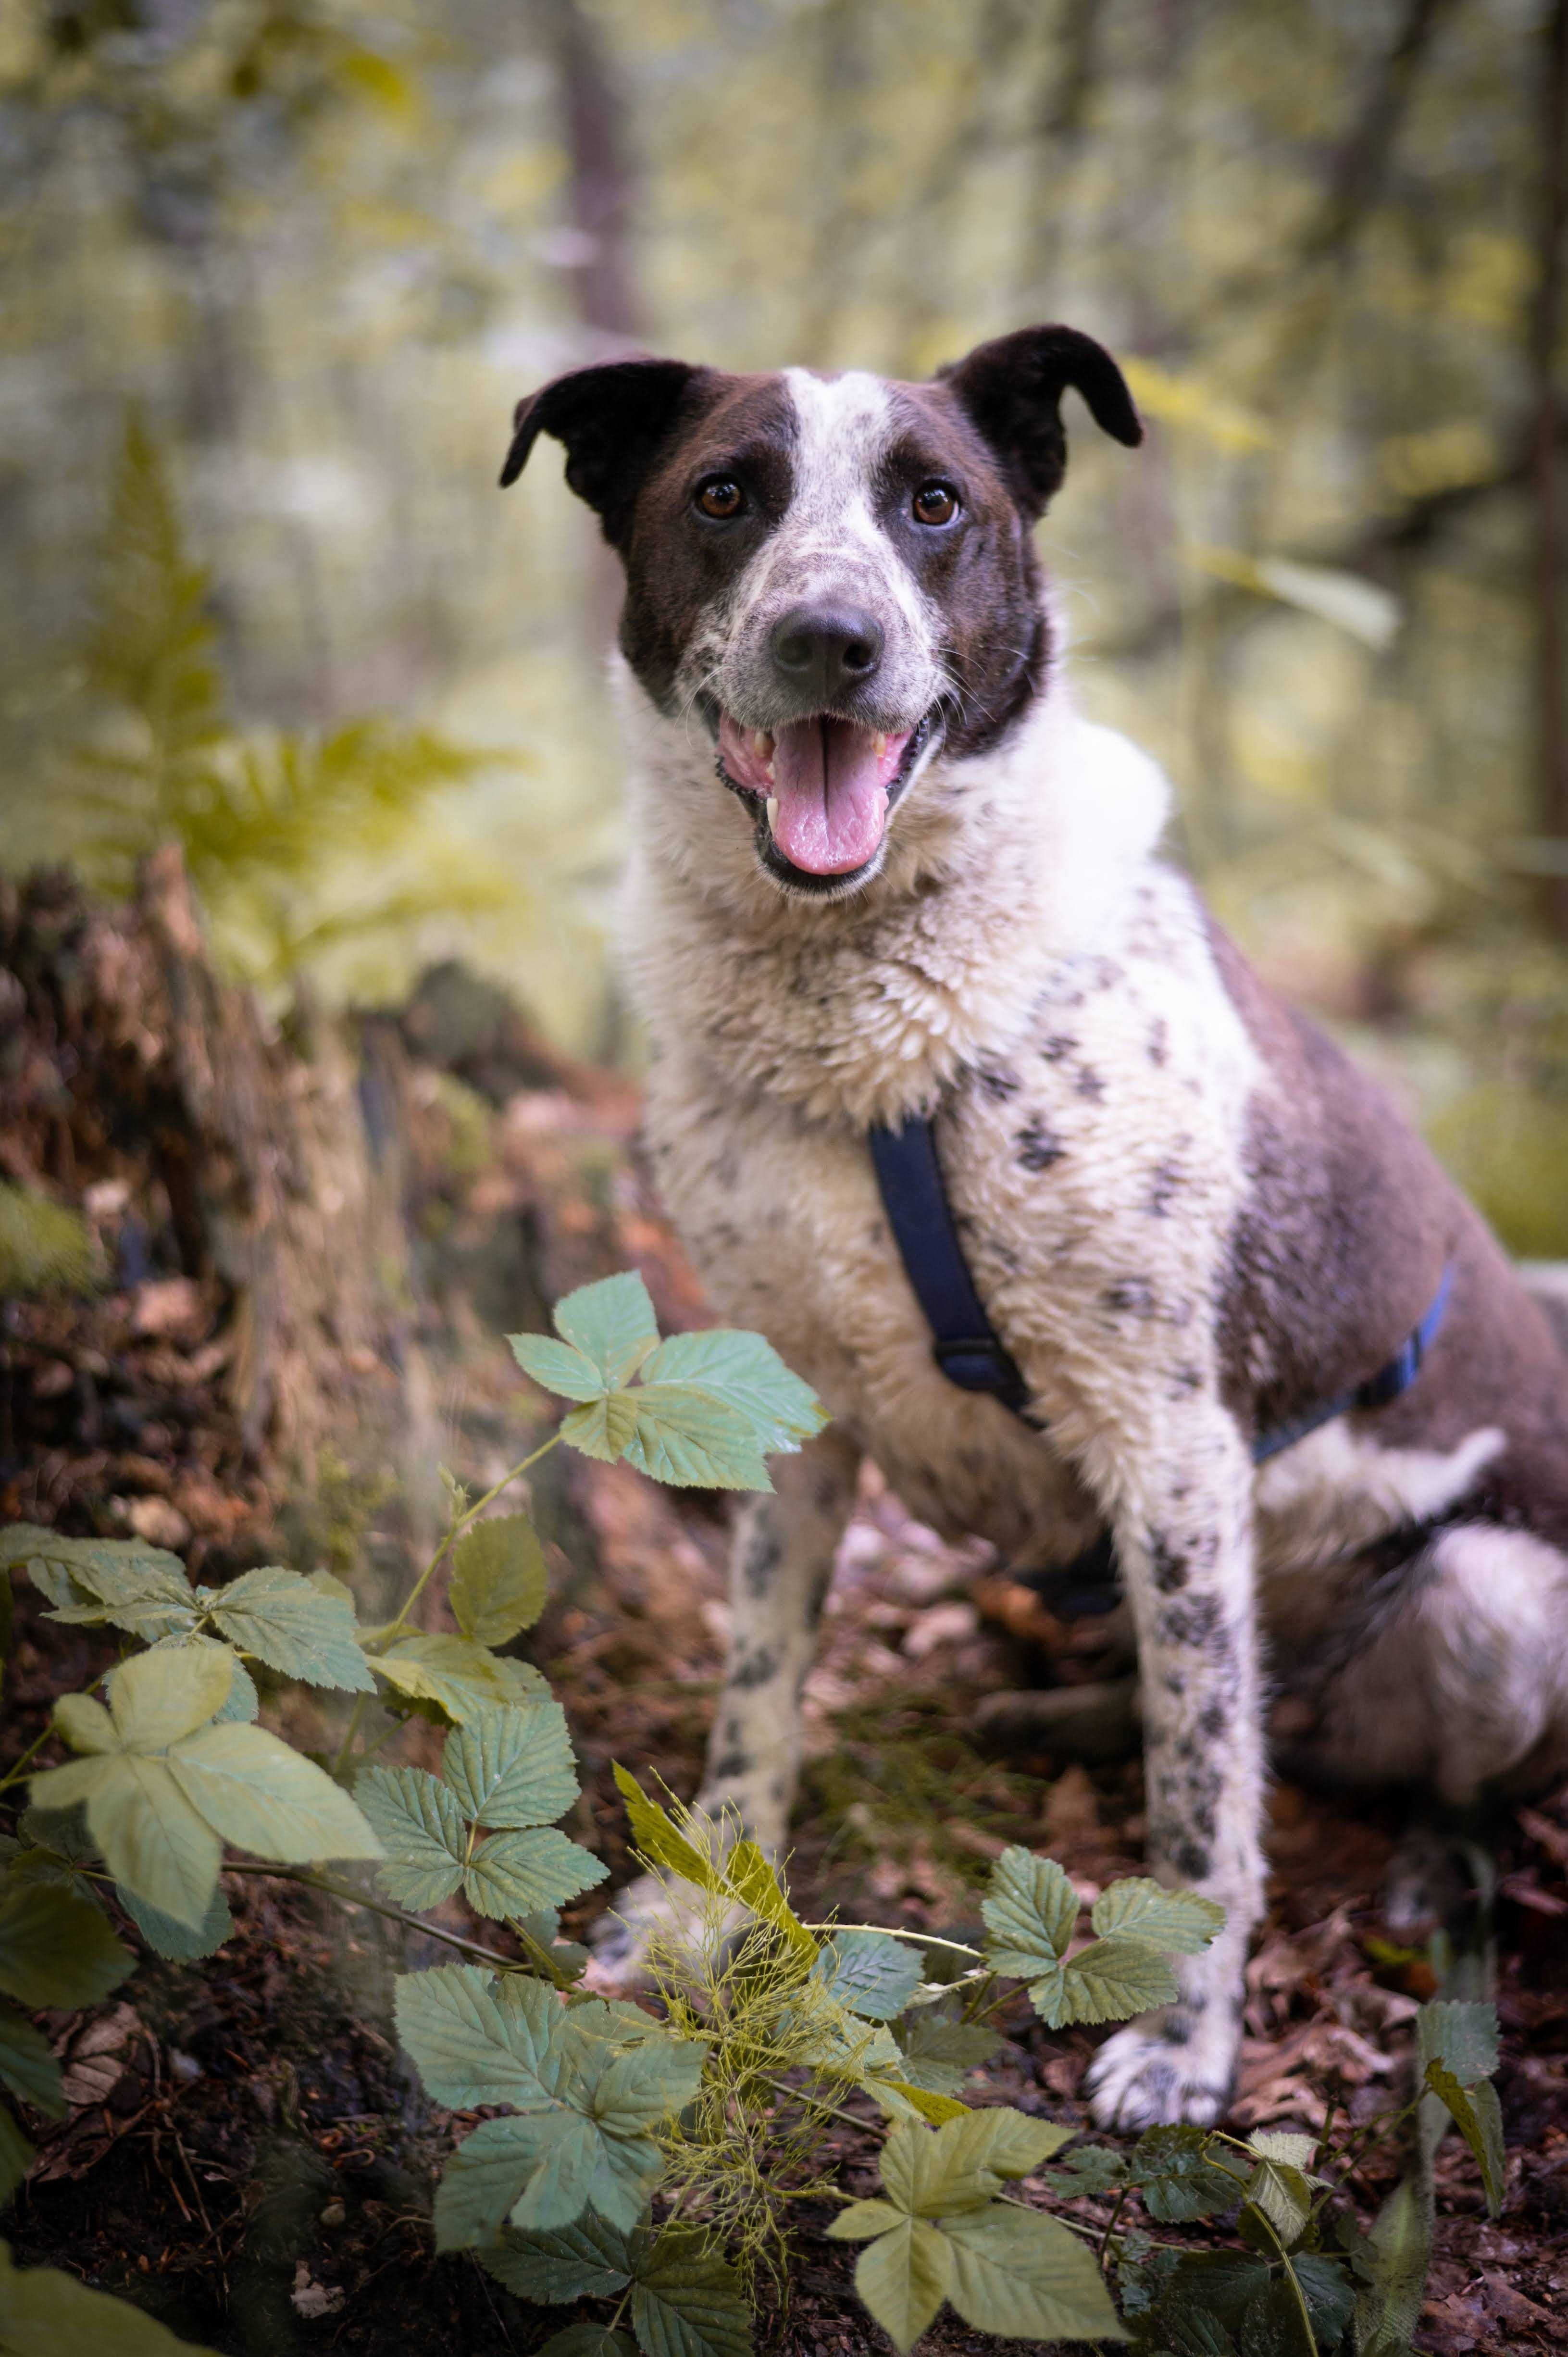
473,1948
818,2102
1294,2278
897,1931
1114,2223
15,1774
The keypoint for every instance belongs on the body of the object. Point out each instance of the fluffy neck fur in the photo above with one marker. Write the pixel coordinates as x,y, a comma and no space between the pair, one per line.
1000,870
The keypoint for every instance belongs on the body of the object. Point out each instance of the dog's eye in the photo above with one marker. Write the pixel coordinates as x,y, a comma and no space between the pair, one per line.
935,503
720,498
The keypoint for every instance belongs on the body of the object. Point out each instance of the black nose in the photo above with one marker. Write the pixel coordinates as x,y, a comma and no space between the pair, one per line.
826,650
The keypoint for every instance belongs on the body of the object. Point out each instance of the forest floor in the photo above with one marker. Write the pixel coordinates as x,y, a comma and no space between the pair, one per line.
245,2153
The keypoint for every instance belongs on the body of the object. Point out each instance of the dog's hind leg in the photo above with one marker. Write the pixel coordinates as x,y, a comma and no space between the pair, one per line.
1184,1537
780,1568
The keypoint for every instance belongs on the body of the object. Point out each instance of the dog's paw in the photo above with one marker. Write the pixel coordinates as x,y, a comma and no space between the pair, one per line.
1152,2075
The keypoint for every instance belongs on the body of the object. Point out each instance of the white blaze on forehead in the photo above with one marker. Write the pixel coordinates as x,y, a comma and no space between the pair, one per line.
831,538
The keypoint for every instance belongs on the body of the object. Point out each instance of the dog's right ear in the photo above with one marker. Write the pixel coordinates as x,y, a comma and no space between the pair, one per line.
1012,388
613,419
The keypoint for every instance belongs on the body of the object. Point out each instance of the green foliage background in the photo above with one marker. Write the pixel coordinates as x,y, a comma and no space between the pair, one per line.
317,250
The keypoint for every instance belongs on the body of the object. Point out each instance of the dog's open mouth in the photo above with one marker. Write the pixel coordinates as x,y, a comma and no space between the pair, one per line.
825,787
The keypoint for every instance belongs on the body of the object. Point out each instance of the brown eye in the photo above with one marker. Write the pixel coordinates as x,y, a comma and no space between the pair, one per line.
935,503
720,498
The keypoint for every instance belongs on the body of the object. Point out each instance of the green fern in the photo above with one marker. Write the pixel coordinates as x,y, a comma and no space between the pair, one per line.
260,817
44,1247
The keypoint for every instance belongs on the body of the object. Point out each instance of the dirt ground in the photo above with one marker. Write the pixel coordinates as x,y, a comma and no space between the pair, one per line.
245,2153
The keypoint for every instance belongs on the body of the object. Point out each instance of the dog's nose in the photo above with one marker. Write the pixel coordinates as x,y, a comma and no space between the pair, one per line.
826,650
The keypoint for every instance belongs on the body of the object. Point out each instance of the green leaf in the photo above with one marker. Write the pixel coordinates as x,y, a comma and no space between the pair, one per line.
1399,2248
657,1838
587,2260
512,1766
1285,2196
1330,2296
517,1873
420,1827
458,1677
28,2067
935,2109
134,1587
903,2277
16,2159
686,1436
1107,1981
940,2052
959,2166
153,1840
1175,1922
44,2312
587,2341
1462,2037
1024,2275
758,1886
748,1373
498,1582
1095,2168
612,1323
861,2220
262,1796
874,1975
175,1941
155,1698
473,2044
1272,2325
541,2169
292,1626
1477,2115
1178,2182
639,2089
1030,1909
557,1367
55,1948
688,2301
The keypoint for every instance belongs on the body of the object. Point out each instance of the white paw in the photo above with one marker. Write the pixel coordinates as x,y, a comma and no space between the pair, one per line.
1148,2076
648,1915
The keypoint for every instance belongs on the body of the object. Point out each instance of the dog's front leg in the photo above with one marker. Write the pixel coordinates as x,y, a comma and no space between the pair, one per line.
780,1568
1185,1542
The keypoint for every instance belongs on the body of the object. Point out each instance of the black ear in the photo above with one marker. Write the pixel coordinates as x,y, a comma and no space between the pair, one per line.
1012,390
613,419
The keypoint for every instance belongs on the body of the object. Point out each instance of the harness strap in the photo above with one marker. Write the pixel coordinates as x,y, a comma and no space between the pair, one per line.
965,1344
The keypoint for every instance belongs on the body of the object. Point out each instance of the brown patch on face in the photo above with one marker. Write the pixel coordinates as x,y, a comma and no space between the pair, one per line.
1347,1227
680,564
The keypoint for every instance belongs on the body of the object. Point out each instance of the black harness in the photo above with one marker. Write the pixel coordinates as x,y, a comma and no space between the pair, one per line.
970,1352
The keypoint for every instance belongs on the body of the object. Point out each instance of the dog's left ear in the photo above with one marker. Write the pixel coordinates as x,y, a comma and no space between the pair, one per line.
613,419
1012,390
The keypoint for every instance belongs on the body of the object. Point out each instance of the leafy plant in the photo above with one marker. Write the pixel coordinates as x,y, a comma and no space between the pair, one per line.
649,2157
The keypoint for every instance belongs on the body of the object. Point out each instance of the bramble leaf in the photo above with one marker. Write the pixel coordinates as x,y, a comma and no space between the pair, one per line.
1095,2168
1399,2250
420,1827
474,2043
519,1873
688,1438
178,1941
602,1426
1462,2037
903,2277
1030,1909
55,1948
939,2053
587,2260
747,1372
1281,2190
155,1698
1477,2113
264,1797
498,1581
1171,2167
688,2301
875,1975
294,1626
26,2065
612,1323
512,1766
153,1839
964,2163
1025,2276
557,1367
1177,1923
1106,1981
135,1587
587,2341
458,1677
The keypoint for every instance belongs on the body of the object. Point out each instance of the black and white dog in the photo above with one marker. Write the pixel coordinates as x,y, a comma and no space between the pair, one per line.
881,870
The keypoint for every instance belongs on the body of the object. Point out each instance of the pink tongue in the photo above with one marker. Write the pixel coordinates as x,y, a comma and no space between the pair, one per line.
830,784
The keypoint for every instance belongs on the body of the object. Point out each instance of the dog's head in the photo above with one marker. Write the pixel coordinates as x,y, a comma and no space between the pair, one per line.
835,573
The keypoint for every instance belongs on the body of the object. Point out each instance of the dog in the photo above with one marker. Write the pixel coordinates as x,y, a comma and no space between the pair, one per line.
881,871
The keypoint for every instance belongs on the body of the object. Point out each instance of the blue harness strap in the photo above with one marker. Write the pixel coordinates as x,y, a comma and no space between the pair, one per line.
965,1344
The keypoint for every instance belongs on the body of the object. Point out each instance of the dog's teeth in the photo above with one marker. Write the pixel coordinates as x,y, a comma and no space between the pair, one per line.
879,745
773,814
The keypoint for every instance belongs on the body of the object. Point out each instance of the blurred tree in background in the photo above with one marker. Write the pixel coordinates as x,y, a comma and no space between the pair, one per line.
274,275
